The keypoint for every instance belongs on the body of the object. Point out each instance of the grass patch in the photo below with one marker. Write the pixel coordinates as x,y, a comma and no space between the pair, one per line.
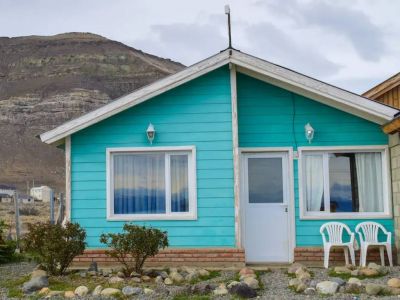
14,286
60,284
191,297
211,275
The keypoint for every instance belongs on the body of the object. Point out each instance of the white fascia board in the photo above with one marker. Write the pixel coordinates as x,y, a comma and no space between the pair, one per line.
313,88
134,98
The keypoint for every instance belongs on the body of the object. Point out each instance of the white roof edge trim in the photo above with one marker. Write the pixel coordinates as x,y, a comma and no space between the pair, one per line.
369,109
136,97
376,110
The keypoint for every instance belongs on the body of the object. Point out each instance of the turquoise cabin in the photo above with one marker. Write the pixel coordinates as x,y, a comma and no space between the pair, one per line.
238,159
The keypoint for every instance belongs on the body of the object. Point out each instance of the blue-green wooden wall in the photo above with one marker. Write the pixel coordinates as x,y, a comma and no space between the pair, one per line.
267,116
197,113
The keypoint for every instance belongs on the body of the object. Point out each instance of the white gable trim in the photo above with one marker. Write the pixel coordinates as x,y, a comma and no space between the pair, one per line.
247,64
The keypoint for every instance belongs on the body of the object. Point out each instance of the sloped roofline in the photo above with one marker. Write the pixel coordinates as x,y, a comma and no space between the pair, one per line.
383,87
247,64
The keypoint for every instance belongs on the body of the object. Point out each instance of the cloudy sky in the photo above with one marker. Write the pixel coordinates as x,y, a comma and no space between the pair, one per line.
353,44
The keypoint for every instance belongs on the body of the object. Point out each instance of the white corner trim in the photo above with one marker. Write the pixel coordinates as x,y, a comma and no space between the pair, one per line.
191,215
68,178
387,214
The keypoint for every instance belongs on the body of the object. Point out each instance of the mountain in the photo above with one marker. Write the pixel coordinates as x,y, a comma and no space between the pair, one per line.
47,80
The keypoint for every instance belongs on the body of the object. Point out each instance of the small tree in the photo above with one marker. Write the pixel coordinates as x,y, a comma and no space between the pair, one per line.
55,246
132,247
7,248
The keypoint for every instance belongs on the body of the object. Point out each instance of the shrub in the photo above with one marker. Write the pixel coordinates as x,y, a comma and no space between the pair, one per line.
7,248
28,211
132,247
55,246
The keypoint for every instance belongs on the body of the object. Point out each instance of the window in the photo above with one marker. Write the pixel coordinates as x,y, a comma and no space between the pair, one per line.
151,183
343,183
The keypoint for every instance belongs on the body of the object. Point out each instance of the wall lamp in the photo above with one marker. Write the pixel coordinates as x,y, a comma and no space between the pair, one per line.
309,132
151,132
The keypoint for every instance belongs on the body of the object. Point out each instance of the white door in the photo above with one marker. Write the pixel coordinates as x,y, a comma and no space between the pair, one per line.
265,195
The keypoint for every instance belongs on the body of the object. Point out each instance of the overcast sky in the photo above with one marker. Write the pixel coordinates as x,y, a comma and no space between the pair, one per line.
353,44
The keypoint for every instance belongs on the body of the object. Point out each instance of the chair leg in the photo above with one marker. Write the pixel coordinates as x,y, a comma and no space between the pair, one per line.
346,255
389,253
352,256
364,256
382,254
326,257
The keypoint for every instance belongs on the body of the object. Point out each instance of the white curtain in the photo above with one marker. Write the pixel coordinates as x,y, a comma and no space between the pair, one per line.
179,183
314,181
370,183
139,183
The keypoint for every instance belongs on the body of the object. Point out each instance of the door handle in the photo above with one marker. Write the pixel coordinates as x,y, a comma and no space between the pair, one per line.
286,210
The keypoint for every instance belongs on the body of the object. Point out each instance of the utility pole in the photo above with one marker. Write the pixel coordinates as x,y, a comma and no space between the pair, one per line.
228,12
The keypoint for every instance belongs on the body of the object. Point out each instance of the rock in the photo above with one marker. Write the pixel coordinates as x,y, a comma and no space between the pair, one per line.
327,287
394,282
54,294
146,278
369,272
301,288
294,282
391,290
178,291
303,274
93,267
246,271
81,291
148,291
204,273
242,290
106,272
130,290
168,281
83,274
351,267
353,280
233,283
115,279
136,280
44,291
69,294
173,270
35,284
38,273
192,276
163,274
313,283
203,288
92,273
221,290
107,292
97,290
134,274
310,291
353,288
120,274
159,279
242,277
176,277
338,280
251,282
294,267
342,270
382,270
373,289
355,272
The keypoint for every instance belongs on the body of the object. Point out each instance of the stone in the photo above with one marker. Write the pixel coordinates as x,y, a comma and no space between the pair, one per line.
353,288
92,273
93,267
176,277
44,291
192,276
327,287
69,294
159,279
136,280
221,290
242,277
382,270
303,275
163,274
168,281
242,290
146,278
148,291
38,273
204,273
173,270
106,272
313,283
338,280
54,294
35,284
355,272
134,274
233,283
115,279
391,290
353,280
81,291
373,289
203,288
310,291
394,282
301,288
83,274
251,282
293,268
342,270
350,267
107,292
130,290
369,272
120,274
246,271
97,290
178,291
294,282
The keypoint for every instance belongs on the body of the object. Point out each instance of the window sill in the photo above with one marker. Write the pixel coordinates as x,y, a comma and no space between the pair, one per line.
351,216
152,217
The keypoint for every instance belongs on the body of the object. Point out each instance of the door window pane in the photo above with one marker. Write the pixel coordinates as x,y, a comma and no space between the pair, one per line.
265,180
179,183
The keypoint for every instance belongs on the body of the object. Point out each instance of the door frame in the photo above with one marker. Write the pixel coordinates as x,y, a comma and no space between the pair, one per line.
291,196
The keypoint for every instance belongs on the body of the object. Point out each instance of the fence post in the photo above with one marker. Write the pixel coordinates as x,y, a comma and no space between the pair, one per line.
16,206
52,207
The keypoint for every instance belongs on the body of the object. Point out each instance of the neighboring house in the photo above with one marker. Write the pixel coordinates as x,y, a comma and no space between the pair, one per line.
7,189
25,199
248,160
387,92
5,198
42,193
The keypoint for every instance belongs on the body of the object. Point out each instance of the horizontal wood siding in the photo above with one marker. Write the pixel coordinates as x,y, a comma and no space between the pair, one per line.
197,113
273,117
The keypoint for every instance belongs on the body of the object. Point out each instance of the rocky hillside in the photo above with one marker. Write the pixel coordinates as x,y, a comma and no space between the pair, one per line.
45,81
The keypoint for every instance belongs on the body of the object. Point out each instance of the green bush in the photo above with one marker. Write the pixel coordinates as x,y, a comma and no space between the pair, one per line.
55,246
132,247
7,248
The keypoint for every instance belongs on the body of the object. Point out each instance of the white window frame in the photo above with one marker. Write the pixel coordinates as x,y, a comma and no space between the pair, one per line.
305,215
168,215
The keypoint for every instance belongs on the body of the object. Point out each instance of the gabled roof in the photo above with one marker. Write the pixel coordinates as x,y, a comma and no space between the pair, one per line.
383,87
247,64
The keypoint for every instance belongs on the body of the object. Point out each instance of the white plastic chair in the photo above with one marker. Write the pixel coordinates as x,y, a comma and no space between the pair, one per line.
368,232
335,239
